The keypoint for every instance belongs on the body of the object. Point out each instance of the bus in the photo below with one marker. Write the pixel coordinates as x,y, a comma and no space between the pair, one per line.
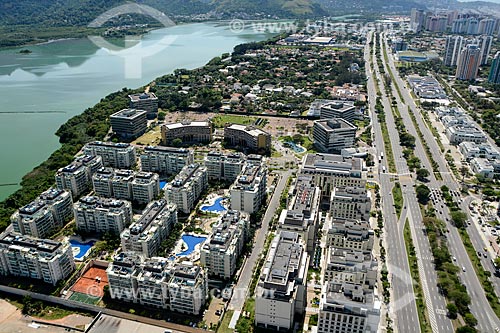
383,168
381,155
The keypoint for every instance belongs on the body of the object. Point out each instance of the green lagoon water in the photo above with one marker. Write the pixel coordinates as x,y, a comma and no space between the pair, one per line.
41,90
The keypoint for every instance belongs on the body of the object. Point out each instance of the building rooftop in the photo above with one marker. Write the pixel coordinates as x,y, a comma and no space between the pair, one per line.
128,114
334,124
44,247
333,163
252,130
187,124
185,175
142,96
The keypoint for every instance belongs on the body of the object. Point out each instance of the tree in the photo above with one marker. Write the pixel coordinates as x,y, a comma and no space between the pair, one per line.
452,310
423,193
458,217
470,320
177,142
161,115
466,329
422,174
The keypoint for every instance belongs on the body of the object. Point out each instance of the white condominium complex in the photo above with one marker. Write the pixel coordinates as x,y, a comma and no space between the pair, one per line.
249,190
146,235
329,171
44,216
302,213
185,190
249,138
224,168
350,234
34,258
138,187
220,253
165,161
100,215
114,155
281,290
77,177
158,282
350,203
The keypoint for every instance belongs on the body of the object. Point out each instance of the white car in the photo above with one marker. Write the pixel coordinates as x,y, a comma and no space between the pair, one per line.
463,268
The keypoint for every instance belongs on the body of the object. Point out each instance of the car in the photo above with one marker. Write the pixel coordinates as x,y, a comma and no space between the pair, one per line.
463,268
454,258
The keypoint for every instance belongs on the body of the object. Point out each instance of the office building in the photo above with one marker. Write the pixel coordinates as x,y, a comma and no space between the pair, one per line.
426,87
281,290
350,203
185,190
346,265
333,135
220,254
483,167
339,109
224,168
465,133
186,133
248,138
349,234
114,155
139,187
301,215
40,259
146,101
248,192
400,45
470,150
129,123
453,47
77,177
329,171
484,44
165,161
468,63
101,215
146,235
494,76
44,216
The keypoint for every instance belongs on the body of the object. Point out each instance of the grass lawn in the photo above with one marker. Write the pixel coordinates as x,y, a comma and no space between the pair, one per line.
223,328
220,120
397,196
152,137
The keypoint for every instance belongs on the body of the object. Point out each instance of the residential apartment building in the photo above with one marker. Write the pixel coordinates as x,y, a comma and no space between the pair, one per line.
120,272
281,290
248,138
333,135
146,235
454,45
329,171
129,123
138,187
224,168
44,216
468,63
339,109
185,190
220,254
248,192
165,161
494,76
101,215
146,101
350,203
349,234
40,259
484,44
114,155
188,132
77,177
187,288
347,265
301,215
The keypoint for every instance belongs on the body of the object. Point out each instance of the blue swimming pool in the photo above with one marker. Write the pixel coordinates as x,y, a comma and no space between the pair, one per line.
84,247
191,242
162,184
215,208
296,148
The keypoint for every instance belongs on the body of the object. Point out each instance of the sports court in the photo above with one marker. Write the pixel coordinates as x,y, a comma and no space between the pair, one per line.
89,287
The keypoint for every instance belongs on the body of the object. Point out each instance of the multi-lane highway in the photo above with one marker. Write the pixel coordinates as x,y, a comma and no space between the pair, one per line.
487,320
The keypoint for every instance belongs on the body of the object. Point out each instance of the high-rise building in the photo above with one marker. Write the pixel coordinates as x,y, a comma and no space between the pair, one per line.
417,19
129,123
187,288
220,254
454,45
487,26
41,259
77,177
350,203
339,109
224,168
146,235
494,76
459,26
114,155
349,234
333,135
165,161
281,290
484,44
145,101
468,63
472,26
100,215
185,190
249,190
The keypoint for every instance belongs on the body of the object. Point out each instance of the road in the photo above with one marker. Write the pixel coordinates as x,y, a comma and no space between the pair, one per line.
480,308
241,289
402,306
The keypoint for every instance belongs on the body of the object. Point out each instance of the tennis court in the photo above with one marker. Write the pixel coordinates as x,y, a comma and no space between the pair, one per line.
91,283
84,298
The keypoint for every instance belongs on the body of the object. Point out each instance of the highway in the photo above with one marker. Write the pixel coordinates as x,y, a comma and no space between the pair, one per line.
480,308
402,307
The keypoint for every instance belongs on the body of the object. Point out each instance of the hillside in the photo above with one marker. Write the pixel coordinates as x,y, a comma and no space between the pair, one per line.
370,6
280,8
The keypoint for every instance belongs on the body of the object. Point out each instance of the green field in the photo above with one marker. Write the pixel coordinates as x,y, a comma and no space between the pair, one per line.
220,120
84,298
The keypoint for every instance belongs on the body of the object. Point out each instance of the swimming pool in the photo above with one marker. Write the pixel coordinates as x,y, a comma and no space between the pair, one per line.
191,242
216,207
82,248
163,184
295,147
